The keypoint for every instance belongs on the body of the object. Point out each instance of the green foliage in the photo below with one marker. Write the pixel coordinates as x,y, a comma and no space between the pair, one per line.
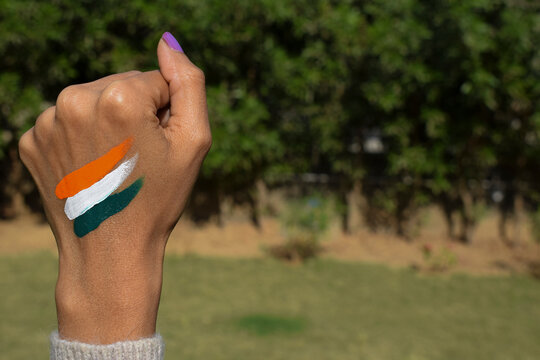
442,260
304,222
310,215
452,87
243,142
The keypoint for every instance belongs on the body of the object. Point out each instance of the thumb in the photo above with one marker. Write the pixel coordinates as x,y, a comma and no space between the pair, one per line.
188,112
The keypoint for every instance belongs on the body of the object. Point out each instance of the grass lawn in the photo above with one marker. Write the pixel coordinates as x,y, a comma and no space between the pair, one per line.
261,309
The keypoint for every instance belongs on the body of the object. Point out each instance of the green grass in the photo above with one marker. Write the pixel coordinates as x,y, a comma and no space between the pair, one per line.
252,309
263,324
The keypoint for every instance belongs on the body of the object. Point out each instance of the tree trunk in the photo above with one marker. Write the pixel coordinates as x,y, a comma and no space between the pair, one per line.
356,205
467,213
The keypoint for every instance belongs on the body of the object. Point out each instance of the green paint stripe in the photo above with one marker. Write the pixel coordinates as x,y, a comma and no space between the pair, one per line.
115,203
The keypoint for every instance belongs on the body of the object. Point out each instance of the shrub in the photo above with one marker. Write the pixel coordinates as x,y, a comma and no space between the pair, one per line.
304,223
441,260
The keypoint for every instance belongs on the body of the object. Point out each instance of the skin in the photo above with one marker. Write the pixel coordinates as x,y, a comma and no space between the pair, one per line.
109,281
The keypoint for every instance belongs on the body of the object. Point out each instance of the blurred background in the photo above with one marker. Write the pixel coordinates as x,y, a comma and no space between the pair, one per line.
372,190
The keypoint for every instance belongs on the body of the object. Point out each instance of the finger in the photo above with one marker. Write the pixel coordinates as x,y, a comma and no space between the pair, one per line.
188,111
100,84
151,87
136,97
77,101
27,147
43,133
44,125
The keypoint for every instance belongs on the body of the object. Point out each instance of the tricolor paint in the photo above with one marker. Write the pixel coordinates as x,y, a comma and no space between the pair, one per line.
89,190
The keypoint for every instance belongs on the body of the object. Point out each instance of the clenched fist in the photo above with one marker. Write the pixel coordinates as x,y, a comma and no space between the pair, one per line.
115,161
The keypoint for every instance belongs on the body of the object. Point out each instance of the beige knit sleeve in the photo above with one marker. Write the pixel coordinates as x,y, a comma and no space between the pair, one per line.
144,349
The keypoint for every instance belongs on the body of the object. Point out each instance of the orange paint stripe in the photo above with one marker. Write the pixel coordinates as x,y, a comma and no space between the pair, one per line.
92,172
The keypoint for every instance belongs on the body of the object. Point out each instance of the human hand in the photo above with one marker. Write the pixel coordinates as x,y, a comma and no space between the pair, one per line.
111,257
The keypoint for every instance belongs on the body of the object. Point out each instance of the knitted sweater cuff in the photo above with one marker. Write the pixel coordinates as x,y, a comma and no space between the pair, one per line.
144,349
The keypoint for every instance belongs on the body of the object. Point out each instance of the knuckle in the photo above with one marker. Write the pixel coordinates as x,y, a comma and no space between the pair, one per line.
68,97
69,102
114,96
45,122
115,100
134,83
133,72
203,141
25,144
193,75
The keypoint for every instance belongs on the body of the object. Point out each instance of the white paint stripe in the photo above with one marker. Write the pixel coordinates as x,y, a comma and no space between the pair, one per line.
81,202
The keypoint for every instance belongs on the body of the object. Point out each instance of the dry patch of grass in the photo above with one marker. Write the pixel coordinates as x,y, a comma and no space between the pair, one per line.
239,239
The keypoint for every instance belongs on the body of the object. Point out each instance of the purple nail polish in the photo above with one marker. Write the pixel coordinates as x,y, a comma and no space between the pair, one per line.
171,41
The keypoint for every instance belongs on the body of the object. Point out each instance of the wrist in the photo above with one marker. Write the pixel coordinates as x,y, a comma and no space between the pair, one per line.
110,298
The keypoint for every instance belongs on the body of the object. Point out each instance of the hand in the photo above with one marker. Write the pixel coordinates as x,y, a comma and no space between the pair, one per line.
109,280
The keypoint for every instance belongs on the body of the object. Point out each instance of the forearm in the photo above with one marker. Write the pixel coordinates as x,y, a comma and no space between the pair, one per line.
110,313
101,301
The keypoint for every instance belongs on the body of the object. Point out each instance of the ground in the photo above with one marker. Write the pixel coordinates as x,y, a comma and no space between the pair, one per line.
236,303
224,309
486,254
